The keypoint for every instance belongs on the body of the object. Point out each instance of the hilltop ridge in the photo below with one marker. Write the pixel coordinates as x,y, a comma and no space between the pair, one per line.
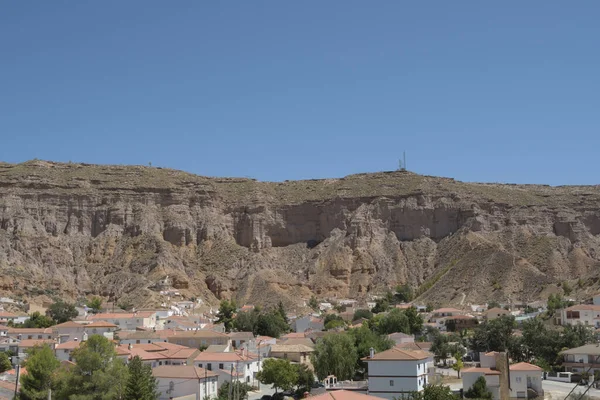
72,229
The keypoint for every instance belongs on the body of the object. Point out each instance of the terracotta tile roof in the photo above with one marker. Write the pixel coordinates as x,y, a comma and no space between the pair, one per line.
485,371
492,353
291,348
68,324
35,342
583,307
241,335
399,335
264,338
344,395
425,346
294,335
399,354
4,328
225,357
523,366
6,314
179,354
30,331
182,372
71,345
461,317
200,334
101,324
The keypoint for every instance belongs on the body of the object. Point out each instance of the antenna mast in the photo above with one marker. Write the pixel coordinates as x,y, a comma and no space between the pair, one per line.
402,162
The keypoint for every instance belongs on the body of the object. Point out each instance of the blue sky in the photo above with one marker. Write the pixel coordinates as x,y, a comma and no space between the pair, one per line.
275,90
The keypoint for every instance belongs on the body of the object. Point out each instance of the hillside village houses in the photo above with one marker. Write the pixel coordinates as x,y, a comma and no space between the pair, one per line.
185,381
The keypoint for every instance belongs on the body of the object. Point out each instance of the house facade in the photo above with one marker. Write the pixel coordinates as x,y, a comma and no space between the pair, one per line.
185,381
229,366
397,372
581,314
128,321
494,313
581,359
197,339
525,379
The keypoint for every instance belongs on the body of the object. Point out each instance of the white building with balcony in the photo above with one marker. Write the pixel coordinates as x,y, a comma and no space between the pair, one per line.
582,358
397,372
581,314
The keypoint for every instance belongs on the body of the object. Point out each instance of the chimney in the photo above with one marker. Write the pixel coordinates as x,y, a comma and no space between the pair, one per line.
371,352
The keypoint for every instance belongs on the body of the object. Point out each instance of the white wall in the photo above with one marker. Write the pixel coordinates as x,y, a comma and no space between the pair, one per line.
390,379
518,382
493,382
187,387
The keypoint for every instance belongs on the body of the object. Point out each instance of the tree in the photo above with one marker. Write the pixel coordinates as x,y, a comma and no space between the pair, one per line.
5,364
381,305
246,321
61,311
41,366
313,303
239,390
225,315
95,304
141,384
97,375
479,390
392,322
306,377
279,373
36,320
493,304
364,340
458,365
404,293
440,347
429,307
358,314
282,313
433,392
271,324
415,320
335,354
493,335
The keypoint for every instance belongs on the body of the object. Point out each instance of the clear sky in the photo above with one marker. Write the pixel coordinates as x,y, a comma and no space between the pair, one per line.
275,90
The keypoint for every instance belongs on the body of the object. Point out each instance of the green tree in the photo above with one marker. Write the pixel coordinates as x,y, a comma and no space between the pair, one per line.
493,335
440,347
358,314
415,320
97,375
141,384
479,390
493,304
41,367
271,324
458,365
364,339
282,313
61,311
404,293
335,354
394,321
36,320
334,324
433,392
5,364
306,378
429,307
95,304
246,321
281,374
226,312
239,390
381,305
313,303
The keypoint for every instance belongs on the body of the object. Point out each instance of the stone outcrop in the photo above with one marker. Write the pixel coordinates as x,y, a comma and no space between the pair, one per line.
69,230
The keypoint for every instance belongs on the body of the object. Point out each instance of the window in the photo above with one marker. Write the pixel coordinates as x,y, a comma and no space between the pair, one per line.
209,367
137,342
39,336
200,365
518,379
220,366
391,382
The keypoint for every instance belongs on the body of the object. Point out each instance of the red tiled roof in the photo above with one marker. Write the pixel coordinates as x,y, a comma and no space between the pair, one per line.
68,324
399,354
181,372
35,342
71,345
344,395
101,324
523,366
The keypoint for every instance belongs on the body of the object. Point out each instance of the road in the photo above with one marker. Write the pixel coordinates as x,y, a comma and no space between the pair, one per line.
559,390
264,389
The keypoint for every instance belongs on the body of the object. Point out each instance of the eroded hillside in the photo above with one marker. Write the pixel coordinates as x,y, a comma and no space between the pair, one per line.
74,229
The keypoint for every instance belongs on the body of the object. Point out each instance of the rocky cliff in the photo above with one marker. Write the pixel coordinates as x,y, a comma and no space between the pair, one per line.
72,230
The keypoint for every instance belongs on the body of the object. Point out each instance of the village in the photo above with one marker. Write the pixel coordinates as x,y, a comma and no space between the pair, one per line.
387,347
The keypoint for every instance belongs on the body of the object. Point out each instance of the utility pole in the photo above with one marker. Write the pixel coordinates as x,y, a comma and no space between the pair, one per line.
49,393
205,383
230,383
17,383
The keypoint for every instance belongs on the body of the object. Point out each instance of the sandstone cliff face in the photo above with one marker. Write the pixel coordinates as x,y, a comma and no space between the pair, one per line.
71,230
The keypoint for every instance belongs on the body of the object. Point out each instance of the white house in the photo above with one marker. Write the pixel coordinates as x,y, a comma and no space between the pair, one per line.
185,381
243,367
596,299
239,338
492,379
581,314
6,316
128,321
64,351
525,377
4,331
580,359
308,322
396,372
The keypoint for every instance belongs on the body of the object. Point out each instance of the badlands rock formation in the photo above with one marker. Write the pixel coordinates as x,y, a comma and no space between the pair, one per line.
71,230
